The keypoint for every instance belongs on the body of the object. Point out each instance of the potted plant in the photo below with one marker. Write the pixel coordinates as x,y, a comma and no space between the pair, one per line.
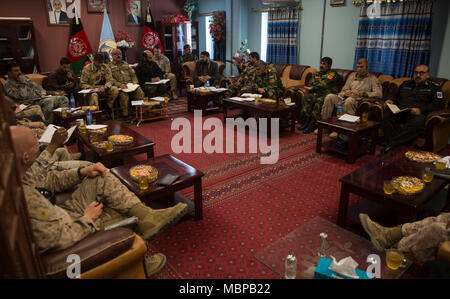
190,6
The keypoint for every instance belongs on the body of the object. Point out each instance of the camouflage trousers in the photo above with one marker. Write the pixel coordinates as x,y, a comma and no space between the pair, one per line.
51,103
423,238
124,99
312,106
349,105
117,200
154,90
110,94
173,82
65,161
31,112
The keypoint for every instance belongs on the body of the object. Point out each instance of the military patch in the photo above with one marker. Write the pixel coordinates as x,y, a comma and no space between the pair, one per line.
42,214
440,95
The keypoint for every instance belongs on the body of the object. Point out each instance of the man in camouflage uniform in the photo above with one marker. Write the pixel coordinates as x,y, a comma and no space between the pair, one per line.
21,89
420,239
97,75
98,198
264,80
164,64
323,83
361,86
188,56
123,74
149,71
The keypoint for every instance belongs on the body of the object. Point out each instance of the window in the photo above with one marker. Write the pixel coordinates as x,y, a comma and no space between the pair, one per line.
264,28
209,40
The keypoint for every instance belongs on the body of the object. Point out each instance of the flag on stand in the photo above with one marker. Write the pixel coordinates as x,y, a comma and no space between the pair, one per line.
79,46
150,37
107,40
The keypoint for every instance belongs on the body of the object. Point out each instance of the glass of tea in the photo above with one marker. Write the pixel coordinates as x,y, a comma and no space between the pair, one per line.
388,187
394,259
440,164
109,147
365,117
427,175
143,183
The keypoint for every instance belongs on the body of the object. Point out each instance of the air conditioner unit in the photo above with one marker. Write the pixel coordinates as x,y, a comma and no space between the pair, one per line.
268,2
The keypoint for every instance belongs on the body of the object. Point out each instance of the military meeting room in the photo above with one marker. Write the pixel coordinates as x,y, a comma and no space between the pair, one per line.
225,147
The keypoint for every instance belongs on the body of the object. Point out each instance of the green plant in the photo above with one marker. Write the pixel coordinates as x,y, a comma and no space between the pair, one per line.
190,5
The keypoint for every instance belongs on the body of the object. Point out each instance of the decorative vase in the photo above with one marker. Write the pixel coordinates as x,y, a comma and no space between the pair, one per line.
190,15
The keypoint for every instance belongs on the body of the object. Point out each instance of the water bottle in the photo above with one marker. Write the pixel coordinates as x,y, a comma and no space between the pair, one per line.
207,83
339,111
290,266
72,100
89,117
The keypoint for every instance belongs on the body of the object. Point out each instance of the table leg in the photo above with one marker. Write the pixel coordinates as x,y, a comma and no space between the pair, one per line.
225,111
353,148
150,153
343,205
198,199
319,139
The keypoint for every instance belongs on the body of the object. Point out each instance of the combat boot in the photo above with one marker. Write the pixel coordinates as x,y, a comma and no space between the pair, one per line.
151,222
305,124
154,264
311,127
382,237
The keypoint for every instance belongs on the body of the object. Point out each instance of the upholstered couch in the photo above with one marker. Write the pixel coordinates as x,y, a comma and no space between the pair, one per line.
189,70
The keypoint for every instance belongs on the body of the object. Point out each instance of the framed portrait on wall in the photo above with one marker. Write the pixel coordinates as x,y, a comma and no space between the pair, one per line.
337,2
97,6
133,10
57,12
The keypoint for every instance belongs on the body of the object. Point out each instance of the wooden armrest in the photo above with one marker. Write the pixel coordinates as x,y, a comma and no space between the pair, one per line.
440,113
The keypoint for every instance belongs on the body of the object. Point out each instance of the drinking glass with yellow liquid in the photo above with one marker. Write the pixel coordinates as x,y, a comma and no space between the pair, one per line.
109,147
83,129
64,113
427,175
145,99
388,188
166,100
94,139
143,183
364,117
394,259
440,164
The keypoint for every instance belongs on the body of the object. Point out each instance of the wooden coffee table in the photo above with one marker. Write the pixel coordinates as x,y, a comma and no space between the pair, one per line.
367,182
200,100
354,131
166,164
140,145
262,109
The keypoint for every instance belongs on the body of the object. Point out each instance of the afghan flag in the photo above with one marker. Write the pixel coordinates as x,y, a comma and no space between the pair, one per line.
150,37
107,41
79,47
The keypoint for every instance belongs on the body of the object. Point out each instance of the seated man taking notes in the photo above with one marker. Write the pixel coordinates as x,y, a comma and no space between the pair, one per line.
148,71
422,96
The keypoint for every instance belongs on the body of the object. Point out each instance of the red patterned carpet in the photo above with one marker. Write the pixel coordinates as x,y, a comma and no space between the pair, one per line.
247,206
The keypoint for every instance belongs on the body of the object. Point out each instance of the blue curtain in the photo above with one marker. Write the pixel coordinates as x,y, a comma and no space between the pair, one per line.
282,36
397,41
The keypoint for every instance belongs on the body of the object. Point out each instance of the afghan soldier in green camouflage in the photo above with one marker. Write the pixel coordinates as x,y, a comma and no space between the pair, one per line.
98,75
123,74
59,226
323,83
188,56
22,89
265,81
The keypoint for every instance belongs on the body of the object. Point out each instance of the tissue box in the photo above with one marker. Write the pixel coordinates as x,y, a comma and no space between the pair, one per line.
322,271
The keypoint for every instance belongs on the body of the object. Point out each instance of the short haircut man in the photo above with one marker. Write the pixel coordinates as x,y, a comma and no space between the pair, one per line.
255,55
328,60
186,47
205,53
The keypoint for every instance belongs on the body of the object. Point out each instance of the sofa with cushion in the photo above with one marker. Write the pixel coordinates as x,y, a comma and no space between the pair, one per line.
189,70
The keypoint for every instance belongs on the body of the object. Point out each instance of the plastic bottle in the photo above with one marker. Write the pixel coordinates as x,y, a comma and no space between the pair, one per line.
339,110
72,100
207,83
89,117
290,266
